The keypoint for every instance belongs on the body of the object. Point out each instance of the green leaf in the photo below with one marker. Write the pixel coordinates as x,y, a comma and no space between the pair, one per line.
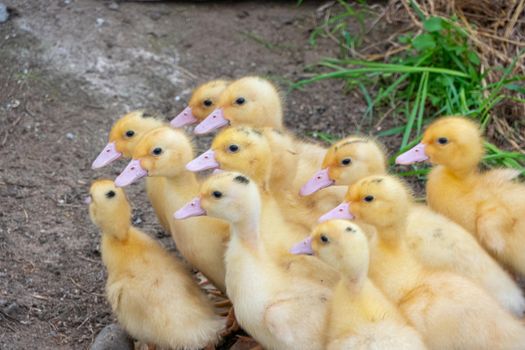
423,42
433,24
473,57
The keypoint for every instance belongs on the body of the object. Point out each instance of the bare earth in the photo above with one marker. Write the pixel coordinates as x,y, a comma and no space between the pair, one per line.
68,70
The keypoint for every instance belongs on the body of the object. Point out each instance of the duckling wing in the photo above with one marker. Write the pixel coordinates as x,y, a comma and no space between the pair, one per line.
494,223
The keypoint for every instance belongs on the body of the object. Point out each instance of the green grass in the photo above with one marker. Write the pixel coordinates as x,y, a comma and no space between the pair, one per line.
440,74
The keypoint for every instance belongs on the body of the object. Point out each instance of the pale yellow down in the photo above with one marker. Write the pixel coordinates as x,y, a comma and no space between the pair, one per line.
361,317
435,241
274,159
488,204
449,311
140,123
280,308
153,296
201,240
205,97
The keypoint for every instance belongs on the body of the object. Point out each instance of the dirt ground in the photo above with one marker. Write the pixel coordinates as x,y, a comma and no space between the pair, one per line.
68,70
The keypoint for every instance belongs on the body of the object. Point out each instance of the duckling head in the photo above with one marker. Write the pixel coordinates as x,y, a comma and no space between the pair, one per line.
339,243
378,200
109,208
161,152
202,102
124,135
346,162
454,142
241,149
250,101
231,196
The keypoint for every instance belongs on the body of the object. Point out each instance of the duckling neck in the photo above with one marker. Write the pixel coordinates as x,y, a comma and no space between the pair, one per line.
460,173
117,229
183,180
247,232
352,280
392,235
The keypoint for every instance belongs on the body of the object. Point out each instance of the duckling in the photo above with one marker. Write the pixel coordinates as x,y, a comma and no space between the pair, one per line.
249,100
435,241
269,157
449,311
361,317
488,204
163,153
123,137
152,294
202,102
279,309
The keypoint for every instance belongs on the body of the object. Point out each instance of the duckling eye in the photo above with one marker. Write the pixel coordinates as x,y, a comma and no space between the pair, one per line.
324,239
157,151
346,161
216,194
207,103
130,133
240,100
110,194
442,140
233,148
369,198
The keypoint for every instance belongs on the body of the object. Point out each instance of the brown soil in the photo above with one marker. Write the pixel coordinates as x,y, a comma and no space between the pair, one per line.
68,69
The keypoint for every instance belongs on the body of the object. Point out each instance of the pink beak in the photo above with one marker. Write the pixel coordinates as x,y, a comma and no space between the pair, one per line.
320,180
203,162
185,117
192,208
303,247
213,121
342,211
413,155
108,154
130,174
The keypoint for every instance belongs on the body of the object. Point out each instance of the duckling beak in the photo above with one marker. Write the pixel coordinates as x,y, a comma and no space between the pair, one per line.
130,174
213,121
342,211
203,162
413,155
192,208
320,180
303,247
185,117
108,154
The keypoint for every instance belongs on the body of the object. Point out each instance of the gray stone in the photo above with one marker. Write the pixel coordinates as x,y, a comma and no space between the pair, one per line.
112,337
4,15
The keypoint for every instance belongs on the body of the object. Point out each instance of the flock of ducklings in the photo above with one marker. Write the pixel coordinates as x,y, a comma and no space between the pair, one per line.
315,248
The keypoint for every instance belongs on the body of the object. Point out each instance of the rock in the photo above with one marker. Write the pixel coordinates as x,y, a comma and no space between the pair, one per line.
70,136
112,337
12,309
4,15
113,6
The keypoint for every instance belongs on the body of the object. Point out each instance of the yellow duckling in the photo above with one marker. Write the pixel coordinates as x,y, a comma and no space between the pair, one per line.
361,317
269,156
163,153
433,239
202,102
247,101
449,311
278,308
487,204
153,296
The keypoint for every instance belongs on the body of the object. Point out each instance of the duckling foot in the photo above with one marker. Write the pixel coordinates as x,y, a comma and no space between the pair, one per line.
246,343
231,324
223,303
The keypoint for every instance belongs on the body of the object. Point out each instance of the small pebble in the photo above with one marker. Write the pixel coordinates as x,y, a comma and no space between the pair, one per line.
70,136
100,22
12,309
4,15
112,337
113,6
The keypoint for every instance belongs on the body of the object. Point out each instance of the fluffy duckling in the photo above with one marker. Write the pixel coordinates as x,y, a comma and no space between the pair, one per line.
124,135
278,308
153,296
487,204
269,156
433,239
202,102
247,101
163,153
449,311
361,317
